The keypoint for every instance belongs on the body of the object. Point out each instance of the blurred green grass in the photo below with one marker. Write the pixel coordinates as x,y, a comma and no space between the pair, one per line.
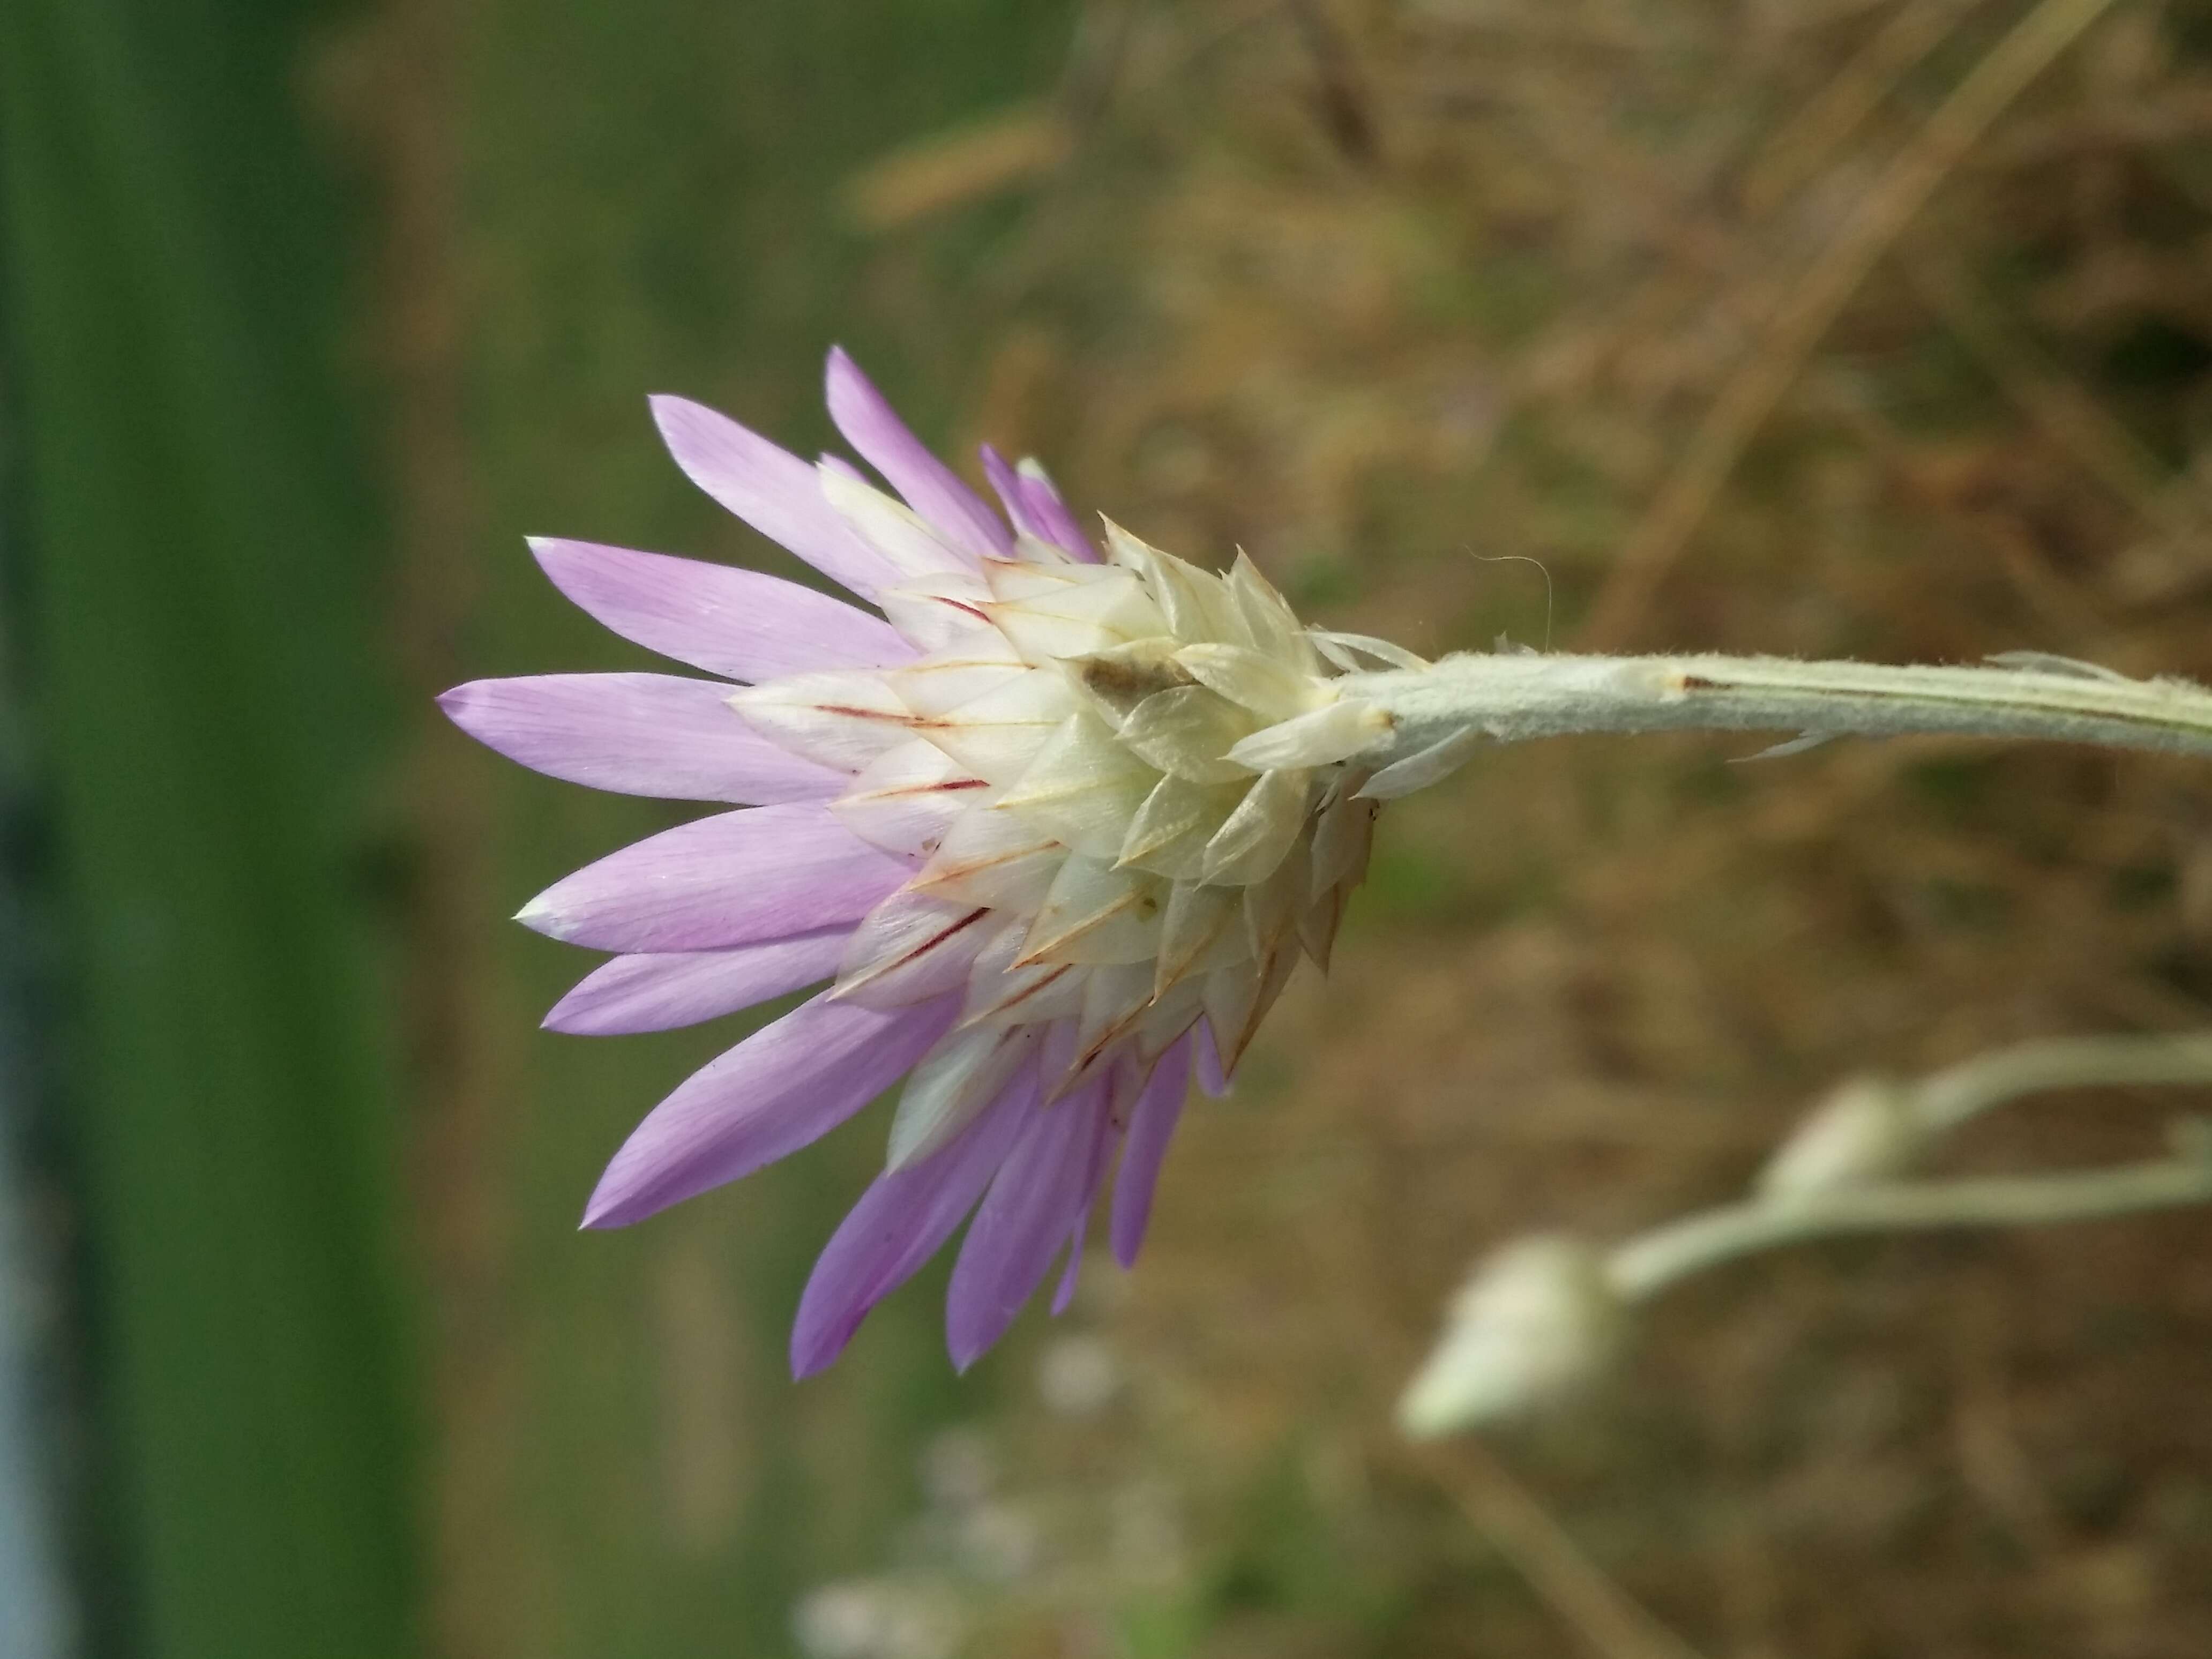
647,203
203,539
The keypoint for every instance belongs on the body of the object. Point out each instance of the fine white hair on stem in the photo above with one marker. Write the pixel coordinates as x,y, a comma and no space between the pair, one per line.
1508,698
1649,1263
1540,1316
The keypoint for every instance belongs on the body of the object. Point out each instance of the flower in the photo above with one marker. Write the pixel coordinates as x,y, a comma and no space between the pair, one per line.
1054,827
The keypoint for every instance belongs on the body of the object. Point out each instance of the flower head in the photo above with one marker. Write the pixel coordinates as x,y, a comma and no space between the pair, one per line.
1055,828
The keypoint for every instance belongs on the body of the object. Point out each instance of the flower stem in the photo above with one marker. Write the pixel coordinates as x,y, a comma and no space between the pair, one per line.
1943,1100
1646,1265
1509,697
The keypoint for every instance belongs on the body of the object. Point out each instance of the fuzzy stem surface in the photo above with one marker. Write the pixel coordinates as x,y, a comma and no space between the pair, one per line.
1511,697
1648,1264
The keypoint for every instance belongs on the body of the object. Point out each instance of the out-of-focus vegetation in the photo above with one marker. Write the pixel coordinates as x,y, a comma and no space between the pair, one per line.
1809,328
1799,329
198,562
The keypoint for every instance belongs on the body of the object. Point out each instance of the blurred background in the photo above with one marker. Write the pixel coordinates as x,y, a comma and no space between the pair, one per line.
1867,327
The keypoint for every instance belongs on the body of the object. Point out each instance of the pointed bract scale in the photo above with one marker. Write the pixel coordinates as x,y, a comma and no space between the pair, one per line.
998,734
1171,828
1237,999
1317,925
840,721
1271,905
938,611
1107,608
906,797
1012,581
1170,1016
1114,999
1202,930
1186,734
1418,770
1036,551
1257,835
1345,650
908,948
1273,627
998,860
1000,993
1194,602
1206,1067
1344,833
959,673
1320,737
1116,681
1253,680
1083,786
960,1077
1094,913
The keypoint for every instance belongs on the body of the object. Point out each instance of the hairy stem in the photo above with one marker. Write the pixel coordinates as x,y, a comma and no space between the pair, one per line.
1646,1265
1509,697
1945,1099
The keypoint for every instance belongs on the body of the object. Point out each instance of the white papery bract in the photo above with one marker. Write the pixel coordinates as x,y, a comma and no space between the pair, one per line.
1095,873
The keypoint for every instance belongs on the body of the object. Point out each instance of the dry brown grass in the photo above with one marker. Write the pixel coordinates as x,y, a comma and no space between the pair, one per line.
1764,330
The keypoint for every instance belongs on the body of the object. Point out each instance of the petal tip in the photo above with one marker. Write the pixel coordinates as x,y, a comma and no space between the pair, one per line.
666,409
621,1198
540,917
816,1352
602,1213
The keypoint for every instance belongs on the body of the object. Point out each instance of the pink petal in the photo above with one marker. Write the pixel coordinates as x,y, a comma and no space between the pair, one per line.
899,1223
932,488
1035,507
658,993
1100,1156
771,489
1023,1222
715,617
639,735
785,1085
1152,1127
743,878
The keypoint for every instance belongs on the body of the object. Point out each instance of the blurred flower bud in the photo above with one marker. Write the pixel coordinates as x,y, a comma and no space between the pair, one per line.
1535,1320
1865,1131
877,1618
